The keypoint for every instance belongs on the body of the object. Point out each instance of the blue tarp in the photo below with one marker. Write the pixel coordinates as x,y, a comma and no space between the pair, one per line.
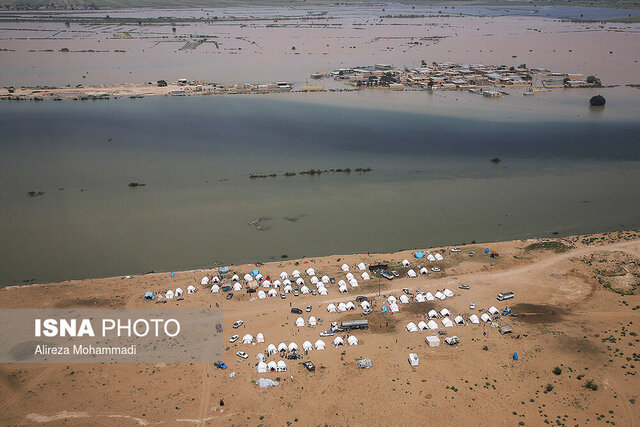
148,295
418,255
254,273
223,270
384,308
486,250
515,356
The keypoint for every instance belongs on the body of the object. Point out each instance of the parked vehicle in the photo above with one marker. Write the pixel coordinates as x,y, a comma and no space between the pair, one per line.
332,280
296,293
296,310
505,295
463,286
472,253
234,338
406,291
455,250
226,288
230,295
367,311
283,295
220,365
386,275
294,356
242,354
435,269
472,306
238,324
314,292
308,308
395,273
326,333
354,324
361,298
309,365
251,291
506,311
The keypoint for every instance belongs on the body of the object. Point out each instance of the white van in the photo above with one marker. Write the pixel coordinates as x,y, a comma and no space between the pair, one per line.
506,295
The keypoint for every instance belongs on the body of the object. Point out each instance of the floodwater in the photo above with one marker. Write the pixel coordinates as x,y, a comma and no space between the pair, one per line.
432,181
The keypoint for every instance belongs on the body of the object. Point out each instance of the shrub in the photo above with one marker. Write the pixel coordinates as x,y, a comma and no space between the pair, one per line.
162,83
557,370
591,385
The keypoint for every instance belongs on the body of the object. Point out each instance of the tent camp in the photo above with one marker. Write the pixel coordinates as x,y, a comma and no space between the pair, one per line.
440,295
432,314
446,322
259,277
431,258
474,319
394,308
411,273
261,358
423,326
338,341
323,291
299,281
319,345
266,283
299,322
365,276
325,279
345,267
420,298
447,293
247,339
168,294
314,280
424,270
432,325
485,317
272,366
215,279
284,275
287,289
313,321
277,283
362,266
342,283
404,299
215,288
262,368
439,257
237,287
429,296
405,263
459,320
350,276
305,290
307,346
262,295
342,306
391,299
272,293
295,273
445,313
205,280
342,289
432,341
411,327
282,367
271,349
179,292
191,289
493,310
350,305
282,347
353,283
365,305
311,272
352,340
293,347
247,277
286,282
331,308
148,295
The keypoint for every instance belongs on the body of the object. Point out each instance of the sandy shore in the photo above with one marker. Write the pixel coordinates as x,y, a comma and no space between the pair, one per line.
573,313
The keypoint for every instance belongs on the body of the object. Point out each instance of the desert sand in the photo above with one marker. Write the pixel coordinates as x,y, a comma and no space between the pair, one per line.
577,303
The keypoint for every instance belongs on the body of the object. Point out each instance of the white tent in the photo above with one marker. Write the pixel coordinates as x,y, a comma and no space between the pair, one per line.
459,320
432,314
343,289
345,267
447,322
277,283
282,347
293,347
404,299
247,339
413,359
445,313
432,325
352,340
215,279
323,291
288,289
423,326
261,295
365,305
191,289
406,263
261,358
205,280
494,310
272,366
262,368
350,276
273,293
299,321
284,275
411,273
447,293
362,266
282,367
474,319
411,327
394,307
319,345
438,257
431,258
179,292
313,321
365,276
307,346
325,279
391,299
286,282
331,308
424,270
485,317
266,283
433,341
215,288
420,298
314,280
311,272
299,281
305,290
295,273
353,283
350,305
429,296
259,277
338,341
342,306
235,277
341,283
247,277
237,287
168,294
440,295
271,349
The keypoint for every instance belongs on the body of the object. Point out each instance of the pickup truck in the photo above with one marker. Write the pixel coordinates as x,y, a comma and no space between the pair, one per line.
386,275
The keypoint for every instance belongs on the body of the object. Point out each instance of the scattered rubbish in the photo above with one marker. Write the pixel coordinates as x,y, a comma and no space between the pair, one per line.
364,363
266,382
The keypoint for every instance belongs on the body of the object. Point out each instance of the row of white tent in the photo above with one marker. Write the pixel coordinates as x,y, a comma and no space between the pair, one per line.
446,322
272,366
248,338
332,308
430,257
236,287
179,292
312,321
412,272
306,346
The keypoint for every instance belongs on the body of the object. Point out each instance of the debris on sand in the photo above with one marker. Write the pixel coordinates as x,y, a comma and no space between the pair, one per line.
32,194
257,223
